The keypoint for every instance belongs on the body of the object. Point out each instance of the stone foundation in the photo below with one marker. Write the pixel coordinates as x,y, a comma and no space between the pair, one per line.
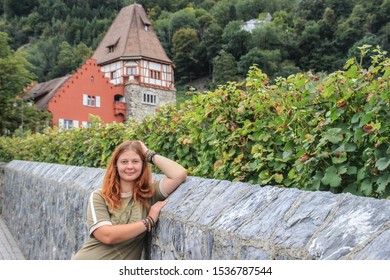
138,109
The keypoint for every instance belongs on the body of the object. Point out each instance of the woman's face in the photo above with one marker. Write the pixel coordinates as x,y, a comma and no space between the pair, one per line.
129,166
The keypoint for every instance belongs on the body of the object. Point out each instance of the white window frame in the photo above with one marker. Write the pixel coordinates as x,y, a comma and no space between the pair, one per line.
131,71
91,101
66,124
150,98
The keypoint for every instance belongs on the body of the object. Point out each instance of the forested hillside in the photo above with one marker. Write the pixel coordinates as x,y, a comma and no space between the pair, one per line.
203,37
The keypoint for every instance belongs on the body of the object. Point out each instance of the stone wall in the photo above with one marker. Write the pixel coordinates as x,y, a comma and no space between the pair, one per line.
45,208
134,97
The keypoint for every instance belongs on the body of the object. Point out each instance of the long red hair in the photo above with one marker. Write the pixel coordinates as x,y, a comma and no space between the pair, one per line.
111,190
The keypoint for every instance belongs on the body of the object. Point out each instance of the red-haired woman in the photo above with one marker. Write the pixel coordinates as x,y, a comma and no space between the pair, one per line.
129,202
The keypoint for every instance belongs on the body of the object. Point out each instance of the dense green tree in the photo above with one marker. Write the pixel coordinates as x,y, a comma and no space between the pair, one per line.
283,20
384,12
183,19
250,9
65,61
224,11
14,77
207,4
347,32
384,34
235,39
168,5
342,8
309,40
328,24
275,37
60,10
267,60
161,26
185,46
14,8
268,36
13,74
224,68
311,9
205,19
212,39
43,53
81,54
69,59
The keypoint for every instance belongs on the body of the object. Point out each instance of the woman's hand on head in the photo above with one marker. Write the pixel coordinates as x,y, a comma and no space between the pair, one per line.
143,146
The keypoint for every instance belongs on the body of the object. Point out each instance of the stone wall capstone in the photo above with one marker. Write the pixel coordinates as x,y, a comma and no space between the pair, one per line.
45,208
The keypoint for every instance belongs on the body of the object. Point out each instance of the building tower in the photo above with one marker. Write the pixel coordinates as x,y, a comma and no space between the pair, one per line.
131,55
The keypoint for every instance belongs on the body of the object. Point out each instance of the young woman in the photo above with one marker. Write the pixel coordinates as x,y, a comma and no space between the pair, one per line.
129,202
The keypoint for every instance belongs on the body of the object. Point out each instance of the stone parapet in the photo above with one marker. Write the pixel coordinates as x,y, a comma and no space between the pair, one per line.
45,208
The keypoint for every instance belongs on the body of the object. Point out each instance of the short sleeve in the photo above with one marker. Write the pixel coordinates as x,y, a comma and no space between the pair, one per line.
97,214
158,194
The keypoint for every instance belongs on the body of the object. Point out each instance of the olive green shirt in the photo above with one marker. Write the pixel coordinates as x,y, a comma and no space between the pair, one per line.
100,214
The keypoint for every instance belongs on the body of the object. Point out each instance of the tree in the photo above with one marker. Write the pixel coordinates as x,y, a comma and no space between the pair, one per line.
267,60
311,9
161,26
185,45
14,77
235,39
18,8
224,11
224,68
43,54
342,8
212,40
268,36
249,9
283,20
81,54
350,30
183,19
308,42
65,61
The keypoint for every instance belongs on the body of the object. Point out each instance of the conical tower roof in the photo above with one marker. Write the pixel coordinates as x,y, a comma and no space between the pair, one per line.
130,36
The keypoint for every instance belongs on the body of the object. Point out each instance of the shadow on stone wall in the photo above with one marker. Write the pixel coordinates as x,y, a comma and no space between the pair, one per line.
2,166
45,206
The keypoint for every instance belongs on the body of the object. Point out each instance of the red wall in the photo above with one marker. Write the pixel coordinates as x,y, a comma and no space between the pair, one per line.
67,102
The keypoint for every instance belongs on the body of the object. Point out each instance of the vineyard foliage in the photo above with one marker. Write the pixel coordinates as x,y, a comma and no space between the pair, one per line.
306,132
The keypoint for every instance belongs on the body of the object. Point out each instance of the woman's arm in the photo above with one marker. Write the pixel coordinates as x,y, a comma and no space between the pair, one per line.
175,174
112,234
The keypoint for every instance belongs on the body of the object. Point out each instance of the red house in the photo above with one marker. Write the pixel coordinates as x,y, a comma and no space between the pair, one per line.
73,98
